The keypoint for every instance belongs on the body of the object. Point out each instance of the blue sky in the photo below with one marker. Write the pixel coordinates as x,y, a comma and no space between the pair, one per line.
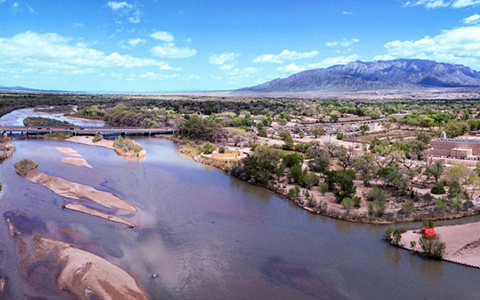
179,45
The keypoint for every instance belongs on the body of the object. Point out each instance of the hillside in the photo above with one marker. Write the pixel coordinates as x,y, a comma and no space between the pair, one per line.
379,75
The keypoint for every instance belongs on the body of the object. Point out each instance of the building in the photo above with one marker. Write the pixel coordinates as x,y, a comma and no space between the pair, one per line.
458,148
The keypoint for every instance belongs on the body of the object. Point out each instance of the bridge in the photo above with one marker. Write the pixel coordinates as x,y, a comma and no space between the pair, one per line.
105,131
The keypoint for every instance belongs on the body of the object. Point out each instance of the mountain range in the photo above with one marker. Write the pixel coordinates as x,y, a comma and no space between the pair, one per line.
401,74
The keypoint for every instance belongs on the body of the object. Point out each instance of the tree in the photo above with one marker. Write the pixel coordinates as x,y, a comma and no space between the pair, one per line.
309,179
435,170
323,187
317,131
346,157
292,159
377,193
364,128
408,207
341,183
209,148
347,203
334,118
440,204
320,159
262,165
296,173
366,167
287,138
457,173
380,206
434,249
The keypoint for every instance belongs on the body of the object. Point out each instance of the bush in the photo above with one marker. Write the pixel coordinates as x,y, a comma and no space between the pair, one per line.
24,166
377,193
434,249
221,150
340,136
408,207
97,138
57,135
438,189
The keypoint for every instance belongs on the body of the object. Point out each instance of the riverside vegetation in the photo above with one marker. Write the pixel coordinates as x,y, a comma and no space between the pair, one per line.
372,176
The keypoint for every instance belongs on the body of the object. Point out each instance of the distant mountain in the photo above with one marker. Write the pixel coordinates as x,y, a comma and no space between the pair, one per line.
378,75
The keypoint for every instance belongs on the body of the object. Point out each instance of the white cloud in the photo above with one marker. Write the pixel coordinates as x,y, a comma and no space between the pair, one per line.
330,61
347,13
157,76
52,53
31,10
443,3
246,72
126,11
118,5
283,56
460,45
14,7
291,68
169,50
132,43
162,36
473,19
344,43
221,59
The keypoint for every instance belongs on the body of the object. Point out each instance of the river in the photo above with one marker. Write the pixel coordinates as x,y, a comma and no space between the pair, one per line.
210,236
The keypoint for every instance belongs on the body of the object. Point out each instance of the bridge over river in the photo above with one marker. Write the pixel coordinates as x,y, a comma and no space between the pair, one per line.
105,131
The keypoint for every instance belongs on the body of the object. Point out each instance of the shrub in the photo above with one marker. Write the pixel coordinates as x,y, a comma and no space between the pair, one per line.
434,249
438,189
377,193
97,138
221,150
408,207
340,136
57,135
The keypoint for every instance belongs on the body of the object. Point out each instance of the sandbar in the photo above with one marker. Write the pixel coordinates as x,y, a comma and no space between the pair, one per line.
68,151
78,162
78,191
87,140
83,209
462,242
83,273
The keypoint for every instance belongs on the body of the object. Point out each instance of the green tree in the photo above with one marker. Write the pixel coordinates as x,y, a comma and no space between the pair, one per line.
208,148
318,131
435,170
408,207
434,249
457,173
292,159
296,173
347,203
262,165
341,183
364,128
287,138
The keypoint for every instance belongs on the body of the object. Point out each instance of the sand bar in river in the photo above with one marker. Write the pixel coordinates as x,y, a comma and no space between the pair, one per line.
462,242
78,191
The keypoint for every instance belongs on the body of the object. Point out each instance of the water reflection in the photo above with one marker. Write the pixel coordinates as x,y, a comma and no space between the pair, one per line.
16,117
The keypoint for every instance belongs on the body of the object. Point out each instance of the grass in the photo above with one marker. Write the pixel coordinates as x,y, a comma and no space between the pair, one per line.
24,166
57,135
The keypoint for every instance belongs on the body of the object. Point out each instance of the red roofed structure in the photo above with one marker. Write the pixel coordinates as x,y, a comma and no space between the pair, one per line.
429,233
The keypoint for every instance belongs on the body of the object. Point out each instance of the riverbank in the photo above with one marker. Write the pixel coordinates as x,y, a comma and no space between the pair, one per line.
7,148
325,204
462,243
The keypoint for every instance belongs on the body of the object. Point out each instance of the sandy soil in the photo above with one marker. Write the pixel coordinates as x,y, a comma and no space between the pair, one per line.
84,275
83,209
462,242
68,151
88,140
78,191
78,162
85,119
